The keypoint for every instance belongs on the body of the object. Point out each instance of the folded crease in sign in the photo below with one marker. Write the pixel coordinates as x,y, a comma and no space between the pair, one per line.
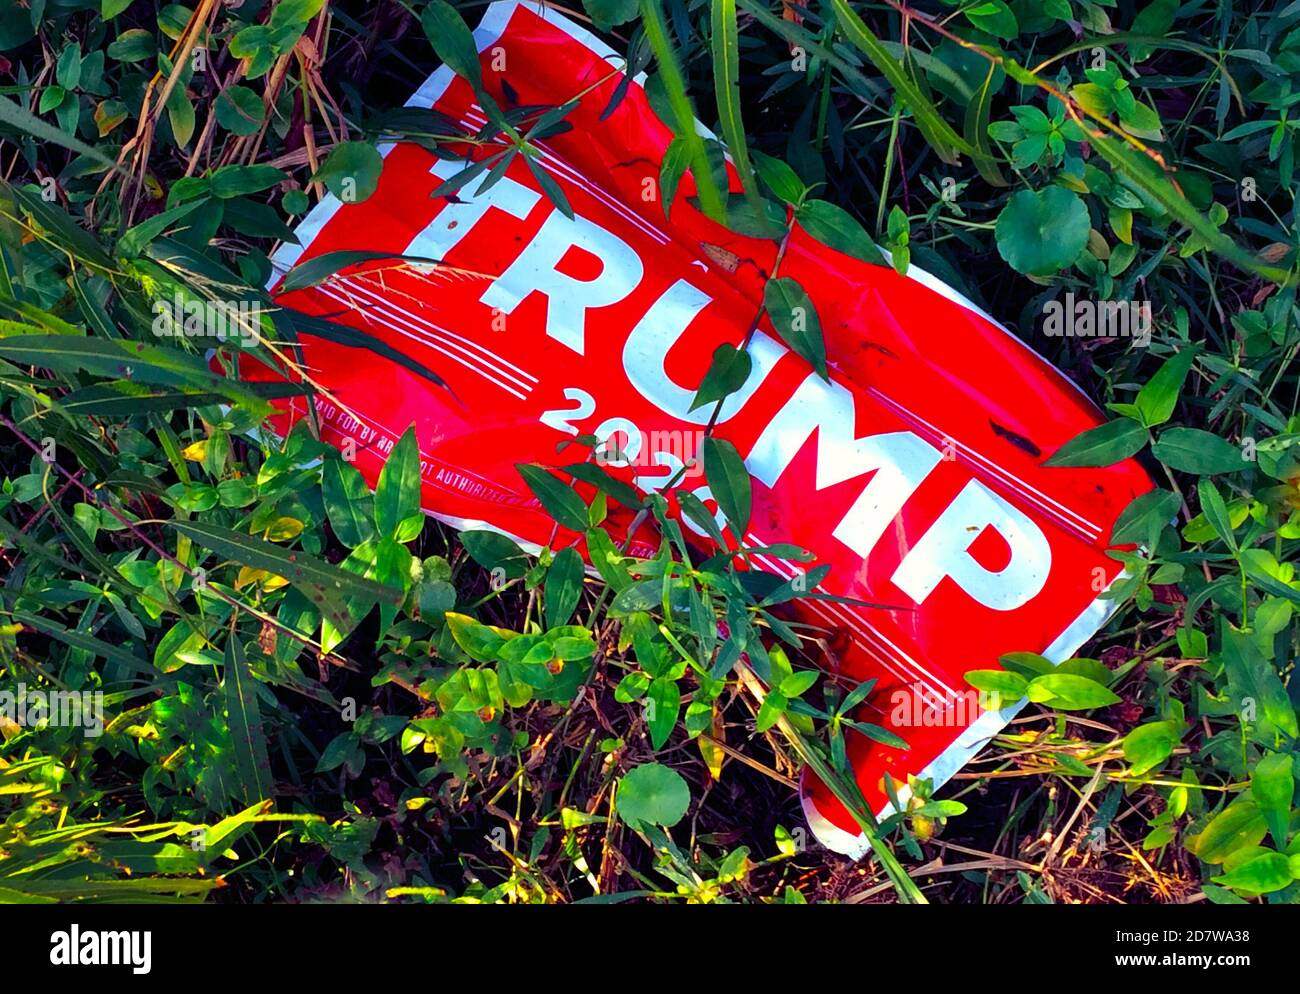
915,473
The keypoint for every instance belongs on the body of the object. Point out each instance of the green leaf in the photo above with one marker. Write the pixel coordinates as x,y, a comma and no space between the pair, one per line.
1156,400
134,45
795,319
1237,826
252,761
136,239
727,373
729,482
607,559
1216,512
352,171
239,181
1007,685
563,587
15,27
491,549
994,17
1040,232
559,499
1102,446
1149,745
123,398
81,640
653,794
783,181
610,13
480,642
836,228
1264,874
452,41
1069,692
769,713
1253,683
1191,450
397,493
1147,515
239,110
603,480
122,359
320,268
348,502
1272,785
664,701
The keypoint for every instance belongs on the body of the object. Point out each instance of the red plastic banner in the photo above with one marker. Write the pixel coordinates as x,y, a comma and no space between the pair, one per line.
916,473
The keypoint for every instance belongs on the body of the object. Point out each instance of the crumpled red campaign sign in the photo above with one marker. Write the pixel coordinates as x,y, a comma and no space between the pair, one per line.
916,473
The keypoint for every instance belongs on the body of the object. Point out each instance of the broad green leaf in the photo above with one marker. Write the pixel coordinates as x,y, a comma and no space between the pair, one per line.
836,228
1069,692
1272,785
351,172
729,482
240,111
240,181
1156,401
727,373
563,587
1191,450
1040,232
610,13
1264,874
652,794
452,41
663,702
480,642
1145,517
601,478
1149,745
783,181
348,502
1105,445
397,492
492,550
1255,687
795,319
559,499
1007,685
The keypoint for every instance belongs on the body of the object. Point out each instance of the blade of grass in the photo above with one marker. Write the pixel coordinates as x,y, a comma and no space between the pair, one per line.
711,199
726,84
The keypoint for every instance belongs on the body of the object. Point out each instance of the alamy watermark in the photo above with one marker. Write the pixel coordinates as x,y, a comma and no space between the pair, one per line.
1085,317
62,708
223,320
75,947
675,450
910,707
